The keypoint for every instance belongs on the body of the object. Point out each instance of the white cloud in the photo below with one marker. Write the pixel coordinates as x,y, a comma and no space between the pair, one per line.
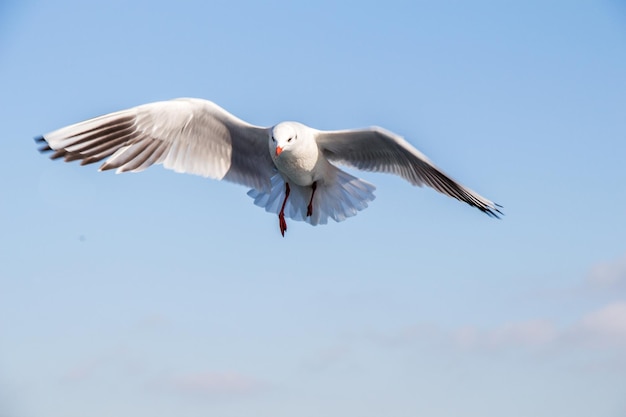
153,321
611,274
83,371
215,383
118,359
531,333
328,357
422,332
524,334
605,327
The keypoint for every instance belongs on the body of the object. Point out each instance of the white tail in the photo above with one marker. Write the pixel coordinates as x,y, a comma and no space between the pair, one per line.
338,199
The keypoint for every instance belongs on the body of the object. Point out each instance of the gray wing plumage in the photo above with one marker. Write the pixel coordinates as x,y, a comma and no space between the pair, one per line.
376,149
186,135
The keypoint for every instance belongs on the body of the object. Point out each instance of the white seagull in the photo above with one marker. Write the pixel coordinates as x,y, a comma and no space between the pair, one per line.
289,167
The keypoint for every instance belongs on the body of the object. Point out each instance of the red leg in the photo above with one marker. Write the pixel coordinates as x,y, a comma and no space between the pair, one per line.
309,209
281,215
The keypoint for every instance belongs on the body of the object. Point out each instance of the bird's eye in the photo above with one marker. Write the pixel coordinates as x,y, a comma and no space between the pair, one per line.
289,140
273,140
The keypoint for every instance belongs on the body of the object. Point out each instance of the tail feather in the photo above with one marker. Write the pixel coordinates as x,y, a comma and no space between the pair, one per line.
339,199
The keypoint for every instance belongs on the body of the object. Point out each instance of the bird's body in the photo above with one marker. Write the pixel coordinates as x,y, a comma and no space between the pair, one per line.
289,167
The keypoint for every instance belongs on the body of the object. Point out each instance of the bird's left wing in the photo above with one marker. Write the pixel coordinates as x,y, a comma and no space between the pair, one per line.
376,149
187,135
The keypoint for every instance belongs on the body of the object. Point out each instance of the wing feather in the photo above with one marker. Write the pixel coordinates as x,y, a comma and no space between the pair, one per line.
376,149
186,135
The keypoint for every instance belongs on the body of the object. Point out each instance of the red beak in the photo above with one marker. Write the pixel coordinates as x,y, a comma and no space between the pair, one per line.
278,150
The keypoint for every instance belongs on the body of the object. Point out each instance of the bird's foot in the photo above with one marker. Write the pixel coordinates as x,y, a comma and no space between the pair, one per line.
309,208
281,214
282,223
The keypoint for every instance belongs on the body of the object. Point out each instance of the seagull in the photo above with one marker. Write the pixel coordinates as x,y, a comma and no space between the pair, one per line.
290,168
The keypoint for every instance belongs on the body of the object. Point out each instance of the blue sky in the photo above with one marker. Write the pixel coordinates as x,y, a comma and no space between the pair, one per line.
159,294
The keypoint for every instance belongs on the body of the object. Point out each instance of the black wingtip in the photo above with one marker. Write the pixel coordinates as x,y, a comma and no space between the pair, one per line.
56,153
494,211
41,140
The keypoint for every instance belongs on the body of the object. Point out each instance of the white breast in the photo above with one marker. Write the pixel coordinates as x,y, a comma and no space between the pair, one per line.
301,160
299,165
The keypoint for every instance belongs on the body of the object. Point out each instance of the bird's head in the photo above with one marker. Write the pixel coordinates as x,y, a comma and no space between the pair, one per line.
282,138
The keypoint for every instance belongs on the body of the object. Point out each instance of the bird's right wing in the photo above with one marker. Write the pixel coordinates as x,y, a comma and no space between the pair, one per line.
186,135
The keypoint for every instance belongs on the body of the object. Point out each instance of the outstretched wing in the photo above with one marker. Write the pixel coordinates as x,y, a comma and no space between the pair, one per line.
186,135
376,149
